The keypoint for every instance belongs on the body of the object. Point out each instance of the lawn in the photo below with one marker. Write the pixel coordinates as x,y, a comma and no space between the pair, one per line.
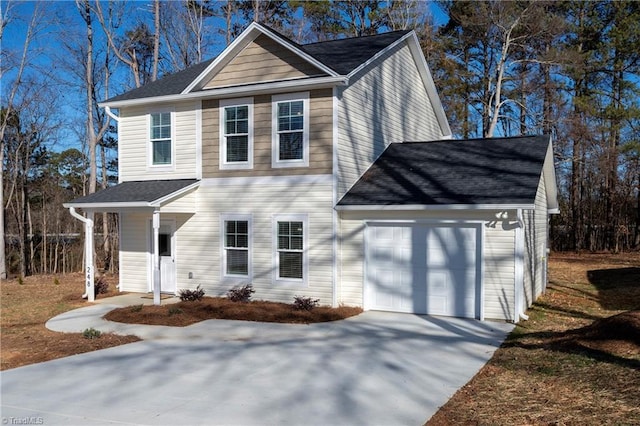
575,361
28,303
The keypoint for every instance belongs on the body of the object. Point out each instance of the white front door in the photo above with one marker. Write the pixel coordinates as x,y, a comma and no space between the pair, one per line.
167,257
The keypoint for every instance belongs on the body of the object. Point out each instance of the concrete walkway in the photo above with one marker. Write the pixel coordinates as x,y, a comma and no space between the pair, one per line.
374,369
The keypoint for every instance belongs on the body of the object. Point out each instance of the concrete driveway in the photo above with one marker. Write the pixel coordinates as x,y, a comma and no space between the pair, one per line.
375,369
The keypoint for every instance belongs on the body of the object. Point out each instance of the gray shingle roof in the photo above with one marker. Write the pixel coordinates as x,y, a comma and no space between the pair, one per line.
171,84
470,172
343,56
135,191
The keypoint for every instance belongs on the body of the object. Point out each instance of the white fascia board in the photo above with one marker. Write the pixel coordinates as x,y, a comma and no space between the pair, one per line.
248,35
427,79
109,206
414,207
176,194
550,182
238,91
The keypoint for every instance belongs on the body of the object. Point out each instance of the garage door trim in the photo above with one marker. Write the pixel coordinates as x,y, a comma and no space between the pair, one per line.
476,225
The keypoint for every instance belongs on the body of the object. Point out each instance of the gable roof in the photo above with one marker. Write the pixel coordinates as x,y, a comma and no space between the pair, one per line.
149,193
167,85
340,57
474,172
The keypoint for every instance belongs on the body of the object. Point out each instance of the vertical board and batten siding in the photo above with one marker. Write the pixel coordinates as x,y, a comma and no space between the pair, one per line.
134,149
320,138
261,61
498,256
199,237
379,107
134,252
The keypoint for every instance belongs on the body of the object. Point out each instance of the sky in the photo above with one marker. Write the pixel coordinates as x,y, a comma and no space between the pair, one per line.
61,23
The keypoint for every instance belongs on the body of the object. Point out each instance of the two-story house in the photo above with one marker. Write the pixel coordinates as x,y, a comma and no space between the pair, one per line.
291,167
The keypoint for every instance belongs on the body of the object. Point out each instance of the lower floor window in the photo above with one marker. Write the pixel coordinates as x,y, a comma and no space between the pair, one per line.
236,246
290,249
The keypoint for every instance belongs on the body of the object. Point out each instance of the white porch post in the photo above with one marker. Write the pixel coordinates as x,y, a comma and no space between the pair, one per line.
156,257
89,272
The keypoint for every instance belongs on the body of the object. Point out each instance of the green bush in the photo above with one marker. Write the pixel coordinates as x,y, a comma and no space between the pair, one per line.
91,333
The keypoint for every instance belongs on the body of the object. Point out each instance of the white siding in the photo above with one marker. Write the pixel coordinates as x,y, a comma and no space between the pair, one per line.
535,249
134,245
134,143
199,237
499,271
379,107
498,257
183,204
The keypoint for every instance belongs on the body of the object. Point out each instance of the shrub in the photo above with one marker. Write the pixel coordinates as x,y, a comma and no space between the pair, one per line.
100,287
241,294
301,303
191,295
136,308
56,281
91,333
174,310
20,281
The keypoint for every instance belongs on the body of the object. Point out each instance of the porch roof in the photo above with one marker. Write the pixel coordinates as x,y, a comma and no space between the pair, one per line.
136,194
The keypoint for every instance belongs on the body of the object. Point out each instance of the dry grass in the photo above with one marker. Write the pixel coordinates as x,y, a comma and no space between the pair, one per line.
187,313
577,359
28,305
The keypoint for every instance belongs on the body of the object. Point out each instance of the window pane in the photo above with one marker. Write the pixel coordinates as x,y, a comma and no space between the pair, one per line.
231,226
283,228
242,126
237,262
230,113
296,108
296,123
283,243
242,240
237,148
242,112
296,243
230,240
283,124
162,152
296,228
290,265
291,146
283,109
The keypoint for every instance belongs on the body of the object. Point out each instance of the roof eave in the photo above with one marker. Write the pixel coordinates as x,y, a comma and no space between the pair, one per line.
233,91
109,205
434,207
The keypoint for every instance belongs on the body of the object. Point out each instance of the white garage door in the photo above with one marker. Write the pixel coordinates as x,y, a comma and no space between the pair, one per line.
422,269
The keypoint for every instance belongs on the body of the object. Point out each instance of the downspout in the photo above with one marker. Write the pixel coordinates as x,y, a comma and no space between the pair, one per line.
88,247
111,114
519,268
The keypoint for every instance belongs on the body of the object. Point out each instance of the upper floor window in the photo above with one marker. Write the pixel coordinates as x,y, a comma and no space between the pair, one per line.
236,133
290,130
160,138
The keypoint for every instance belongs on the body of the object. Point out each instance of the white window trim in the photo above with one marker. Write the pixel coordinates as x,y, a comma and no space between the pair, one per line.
161,167
234,278
277,280
275,141
235,165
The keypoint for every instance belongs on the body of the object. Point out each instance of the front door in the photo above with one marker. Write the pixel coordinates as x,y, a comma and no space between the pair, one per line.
167,253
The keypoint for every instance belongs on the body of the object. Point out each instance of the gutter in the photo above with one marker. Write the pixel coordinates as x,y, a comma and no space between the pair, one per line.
107,109
519,268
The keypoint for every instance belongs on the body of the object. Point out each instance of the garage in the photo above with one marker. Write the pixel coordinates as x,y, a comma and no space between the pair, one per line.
423,269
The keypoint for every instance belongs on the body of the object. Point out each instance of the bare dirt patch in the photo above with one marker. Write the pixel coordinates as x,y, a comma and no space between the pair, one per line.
28,304
186,313
576,360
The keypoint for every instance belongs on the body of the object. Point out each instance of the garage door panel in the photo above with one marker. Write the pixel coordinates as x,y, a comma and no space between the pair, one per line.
428,269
